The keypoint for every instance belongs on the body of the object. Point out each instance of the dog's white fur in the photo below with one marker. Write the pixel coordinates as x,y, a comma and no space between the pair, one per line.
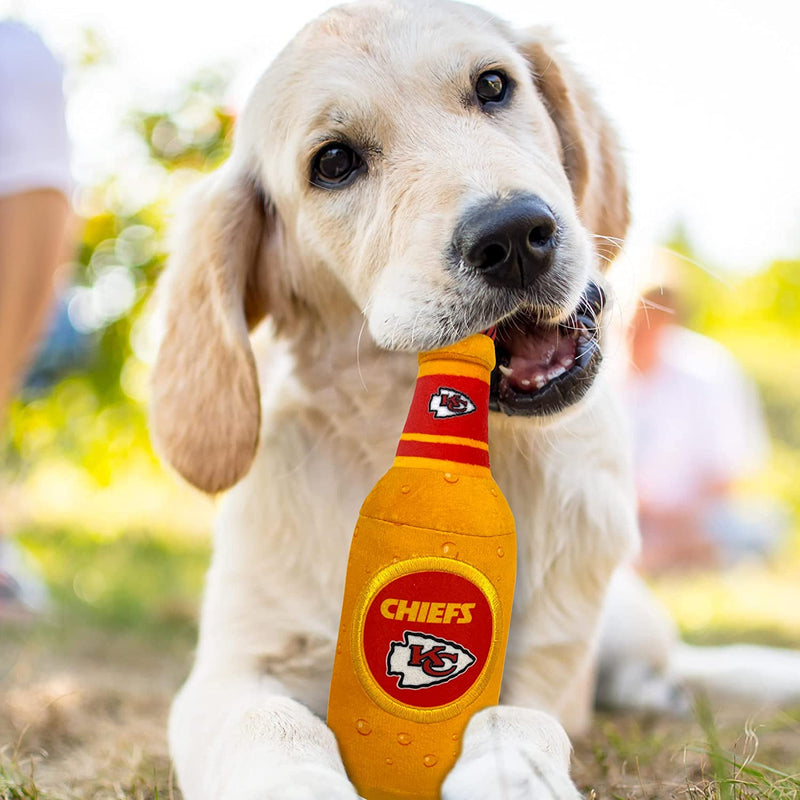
305,420
643,665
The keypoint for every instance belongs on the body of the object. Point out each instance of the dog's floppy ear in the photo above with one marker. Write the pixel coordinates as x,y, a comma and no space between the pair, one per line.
205,412
589,146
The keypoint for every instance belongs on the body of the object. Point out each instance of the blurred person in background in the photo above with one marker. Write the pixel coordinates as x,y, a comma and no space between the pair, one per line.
34,210
698,431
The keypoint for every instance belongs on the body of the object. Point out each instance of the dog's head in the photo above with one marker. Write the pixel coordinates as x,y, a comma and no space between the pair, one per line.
417,162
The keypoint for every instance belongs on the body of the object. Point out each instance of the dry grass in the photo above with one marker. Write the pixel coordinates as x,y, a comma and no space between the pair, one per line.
83,715
651,758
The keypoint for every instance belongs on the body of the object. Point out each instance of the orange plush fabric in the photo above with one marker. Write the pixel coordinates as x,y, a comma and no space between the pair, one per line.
430,582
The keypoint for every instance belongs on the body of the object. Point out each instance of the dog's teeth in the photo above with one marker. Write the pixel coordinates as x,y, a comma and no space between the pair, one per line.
504,369
566,362
539,380
556,371
525,382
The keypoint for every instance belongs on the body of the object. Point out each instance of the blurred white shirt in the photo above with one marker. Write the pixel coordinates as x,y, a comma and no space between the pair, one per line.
696,418
34,146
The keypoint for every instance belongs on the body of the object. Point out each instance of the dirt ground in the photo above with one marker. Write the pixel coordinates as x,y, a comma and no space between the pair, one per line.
83,715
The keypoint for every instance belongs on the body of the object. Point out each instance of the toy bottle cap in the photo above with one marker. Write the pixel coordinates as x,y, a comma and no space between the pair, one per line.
478,349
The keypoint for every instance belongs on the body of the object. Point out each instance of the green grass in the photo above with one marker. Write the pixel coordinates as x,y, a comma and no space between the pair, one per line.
641,757
739,775
137,581
14,785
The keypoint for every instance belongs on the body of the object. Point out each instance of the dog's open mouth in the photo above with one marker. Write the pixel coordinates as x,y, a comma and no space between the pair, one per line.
543,368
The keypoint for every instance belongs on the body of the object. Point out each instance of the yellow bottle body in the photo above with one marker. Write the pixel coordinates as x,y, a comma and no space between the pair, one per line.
429,589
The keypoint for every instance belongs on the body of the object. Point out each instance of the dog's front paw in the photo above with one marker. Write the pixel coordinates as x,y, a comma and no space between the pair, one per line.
512,754
507,773
304,782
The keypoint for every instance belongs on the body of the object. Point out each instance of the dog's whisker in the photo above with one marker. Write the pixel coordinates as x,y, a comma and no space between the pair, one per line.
614,239
358,354
718,276
551,441
648,303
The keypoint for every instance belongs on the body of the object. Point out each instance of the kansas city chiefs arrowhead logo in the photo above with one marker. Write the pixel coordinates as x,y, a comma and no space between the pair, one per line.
422,660
450,403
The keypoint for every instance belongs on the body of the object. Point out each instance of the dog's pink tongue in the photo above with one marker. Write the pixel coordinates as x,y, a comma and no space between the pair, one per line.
537,356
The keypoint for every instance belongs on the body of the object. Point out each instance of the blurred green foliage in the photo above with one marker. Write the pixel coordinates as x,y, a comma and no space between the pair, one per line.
146,582
757,317
95,415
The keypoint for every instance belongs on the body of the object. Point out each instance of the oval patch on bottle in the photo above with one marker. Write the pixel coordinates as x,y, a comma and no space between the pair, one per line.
427,637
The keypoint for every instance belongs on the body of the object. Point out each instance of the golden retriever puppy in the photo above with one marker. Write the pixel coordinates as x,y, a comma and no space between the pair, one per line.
403,175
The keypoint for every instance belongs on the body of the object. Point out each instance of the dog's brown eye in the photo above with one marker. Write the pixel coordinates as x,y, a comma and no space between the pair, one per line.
334,164
491,87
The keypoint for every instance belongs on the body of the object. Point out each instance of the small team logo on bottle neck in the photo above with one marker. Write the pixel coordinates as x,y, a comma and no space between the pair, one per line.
449,402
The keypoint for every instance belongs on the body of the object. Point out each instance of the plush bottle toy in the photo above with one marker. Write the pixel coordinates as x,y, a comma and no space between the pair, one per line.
430,581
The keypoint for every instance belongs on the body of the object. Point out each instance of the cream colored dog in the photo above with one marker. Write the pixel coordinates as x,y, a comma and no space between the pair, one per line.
419,169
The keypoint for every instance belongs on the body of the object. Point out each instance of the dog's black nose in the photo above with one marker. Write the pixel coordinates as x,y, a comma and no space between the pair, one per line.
510,242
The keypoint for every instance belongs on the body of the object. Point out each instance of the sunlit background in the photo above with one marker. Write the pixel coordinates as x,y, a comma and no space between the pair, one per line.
700,90
703,95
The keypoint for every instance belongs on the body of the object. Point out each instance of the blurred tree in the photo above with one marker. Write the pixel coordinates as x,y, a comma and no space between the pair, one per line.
85,397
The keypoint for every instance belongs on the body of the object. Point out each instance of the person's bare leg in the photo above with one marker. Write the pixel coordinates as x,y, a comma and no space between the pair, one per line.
32,233
32,237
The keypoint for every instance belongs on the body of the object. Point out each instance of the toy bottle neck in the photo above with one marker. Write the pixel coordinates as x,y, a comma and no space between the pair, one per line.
448,423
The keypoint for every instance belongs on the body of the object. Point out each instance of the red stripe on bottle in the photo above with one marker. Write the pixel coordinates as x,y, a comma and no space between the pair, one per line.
474,425
463,454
